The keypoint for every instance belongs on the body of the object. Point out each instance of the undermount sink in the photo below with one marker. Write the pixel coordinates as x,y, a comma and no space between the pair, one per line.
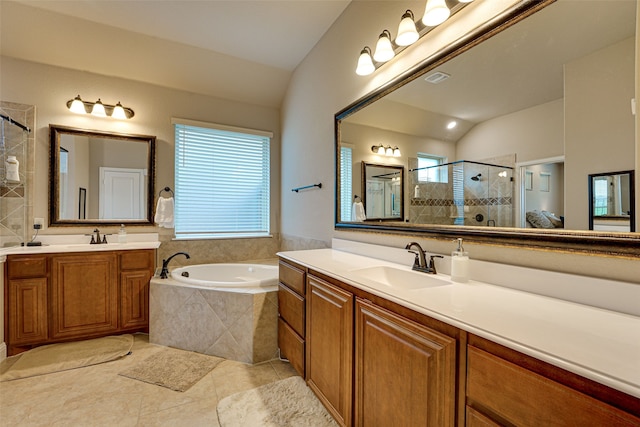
398,278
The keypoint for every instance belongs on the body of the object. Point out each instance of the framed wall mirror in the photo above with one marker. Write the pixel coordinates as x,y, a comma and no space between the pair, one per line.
383,192
100,177
612,206
547,102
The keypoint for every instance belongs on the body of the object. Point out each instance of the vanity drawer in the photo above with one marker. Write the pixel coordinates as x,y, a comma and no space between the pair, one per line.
291,307
292,277
524,398
137,260
24,267
291,346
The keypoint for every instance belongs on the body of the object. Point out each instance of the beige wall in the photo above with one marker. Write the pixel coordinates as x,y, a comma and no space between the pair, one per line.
599,126
49,88
325,83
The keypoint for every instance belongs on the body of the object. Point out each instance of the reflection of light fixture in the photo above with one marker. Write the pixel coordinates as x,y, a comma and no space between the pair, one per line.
386,151
452,124
502,174
435,13
365,63
407,32
118,111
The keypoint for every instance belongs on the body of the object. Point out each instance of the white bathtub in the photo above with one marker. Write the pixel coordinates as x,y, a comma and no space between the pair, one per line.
224,310
232,277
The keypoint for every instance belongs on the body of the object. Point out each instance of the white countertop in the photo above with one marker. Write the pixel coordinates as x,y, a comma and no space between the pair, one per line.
600,344
80,243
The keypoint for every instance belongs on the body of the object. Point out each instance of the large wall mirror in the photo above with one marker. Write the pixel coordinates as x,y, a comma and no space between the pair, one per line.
506,125
100,177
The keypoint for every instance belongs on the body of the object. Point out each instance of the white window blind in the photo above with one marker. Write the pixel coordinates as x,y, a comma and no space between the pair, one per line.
221,181
346,189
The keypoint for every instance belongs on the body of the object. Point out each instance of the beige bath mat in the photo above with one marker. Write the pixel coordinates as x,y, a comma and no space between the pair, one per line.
172,368
285,403
64,356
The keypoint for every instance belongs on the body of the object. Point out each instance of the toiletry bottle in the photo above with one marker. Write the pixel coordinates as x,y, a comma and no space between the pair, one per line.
122,234
416,192
11,167
459,264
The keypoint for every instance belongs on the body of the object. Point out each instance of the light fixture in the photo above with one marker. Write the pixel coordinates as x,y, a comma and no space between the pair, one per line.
435,13
98,109
386,151
384,49
407,32
365,63
452,124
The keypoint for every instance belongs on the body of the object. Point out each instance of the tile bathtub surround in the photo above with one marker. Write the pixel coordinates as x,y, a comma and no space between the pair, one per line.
97,395
237,326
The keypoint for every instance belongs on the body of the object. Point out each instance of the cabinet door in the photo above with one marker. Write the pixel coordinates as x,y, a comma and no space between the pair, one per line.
134,290
84,295
329,364
405,372
27,311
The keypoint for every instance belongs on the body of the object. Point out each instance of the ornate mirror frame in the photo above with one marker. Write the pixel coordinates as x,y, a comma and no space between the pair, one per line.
591,242
55,132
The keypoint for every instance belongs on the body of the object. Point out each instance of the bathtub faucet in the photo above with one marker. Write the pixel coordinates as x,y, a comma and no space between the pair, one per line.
165,264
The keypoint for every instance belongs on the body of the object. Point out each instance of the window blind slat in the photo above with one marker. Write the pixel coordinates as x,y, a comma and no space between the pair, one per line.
222,183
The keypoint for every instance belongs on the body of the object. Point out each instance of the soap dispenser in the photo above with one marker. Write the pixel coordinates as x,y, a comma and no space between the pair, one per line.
460,264
122,234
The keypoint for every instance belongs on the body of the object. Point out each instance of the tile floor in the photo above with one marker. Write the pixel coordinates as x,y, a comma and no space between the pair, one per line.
98,396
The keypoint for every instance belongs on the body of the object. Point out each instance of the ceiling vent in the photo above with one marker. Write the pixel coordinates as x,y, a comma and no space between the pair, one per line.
437,77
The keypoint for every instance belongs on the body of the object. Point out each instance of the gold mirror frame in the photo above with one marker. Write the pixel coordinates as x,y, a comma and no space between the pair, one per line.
55,132
625,245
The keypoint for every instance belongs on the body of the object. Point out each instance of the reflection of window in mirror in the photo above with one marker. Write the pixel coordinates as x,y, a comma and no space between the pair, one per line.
545,181
528,180
346,183
601,196
64,181
428,170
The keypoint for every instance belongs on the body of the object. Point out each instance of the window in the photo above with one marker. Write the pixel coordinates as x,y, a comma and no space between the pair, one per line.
346,186
221,181
428,170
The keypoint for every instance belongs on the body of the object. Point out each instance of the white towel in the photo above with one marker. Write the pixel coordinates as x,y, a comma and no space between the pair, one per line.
357,212
164,212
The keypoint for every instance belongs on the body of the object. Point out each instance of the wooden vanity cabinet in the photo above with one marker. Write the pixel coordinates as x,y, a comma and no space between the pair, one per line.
26,299
69,296
329,361
505,387
405,372
292,314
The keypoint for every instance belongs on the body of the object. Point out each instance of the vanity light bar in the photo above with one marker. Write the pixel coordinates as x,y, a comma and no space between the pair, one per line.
409,31
118,111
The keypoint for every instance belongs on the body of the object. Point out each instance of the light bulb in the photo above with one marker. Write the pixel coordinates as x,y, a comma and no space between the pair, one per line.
389,151
396,152
384,50
435,13
407,32
381,150
118,112
98,109
77,106
365,63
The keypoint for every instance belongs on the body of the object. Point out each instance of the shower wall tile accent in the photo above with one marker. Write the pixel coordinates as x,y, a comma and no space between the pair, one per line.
16,199
231,325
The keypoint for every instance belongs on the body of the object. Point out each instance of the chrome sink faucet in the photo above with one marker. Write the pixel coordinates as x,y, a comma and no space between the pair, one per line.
420,262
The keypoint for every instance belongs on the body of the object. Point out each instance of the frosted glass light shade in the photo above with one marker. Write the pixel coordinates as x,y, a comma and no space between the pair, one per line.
389,151
365,63
98,109
384,50
407,32
435,13
77,106
396,152
118,112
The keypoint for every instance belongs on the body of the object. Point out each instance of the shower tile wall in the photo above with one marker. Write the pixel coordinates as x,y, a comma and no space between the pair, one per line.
16,199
